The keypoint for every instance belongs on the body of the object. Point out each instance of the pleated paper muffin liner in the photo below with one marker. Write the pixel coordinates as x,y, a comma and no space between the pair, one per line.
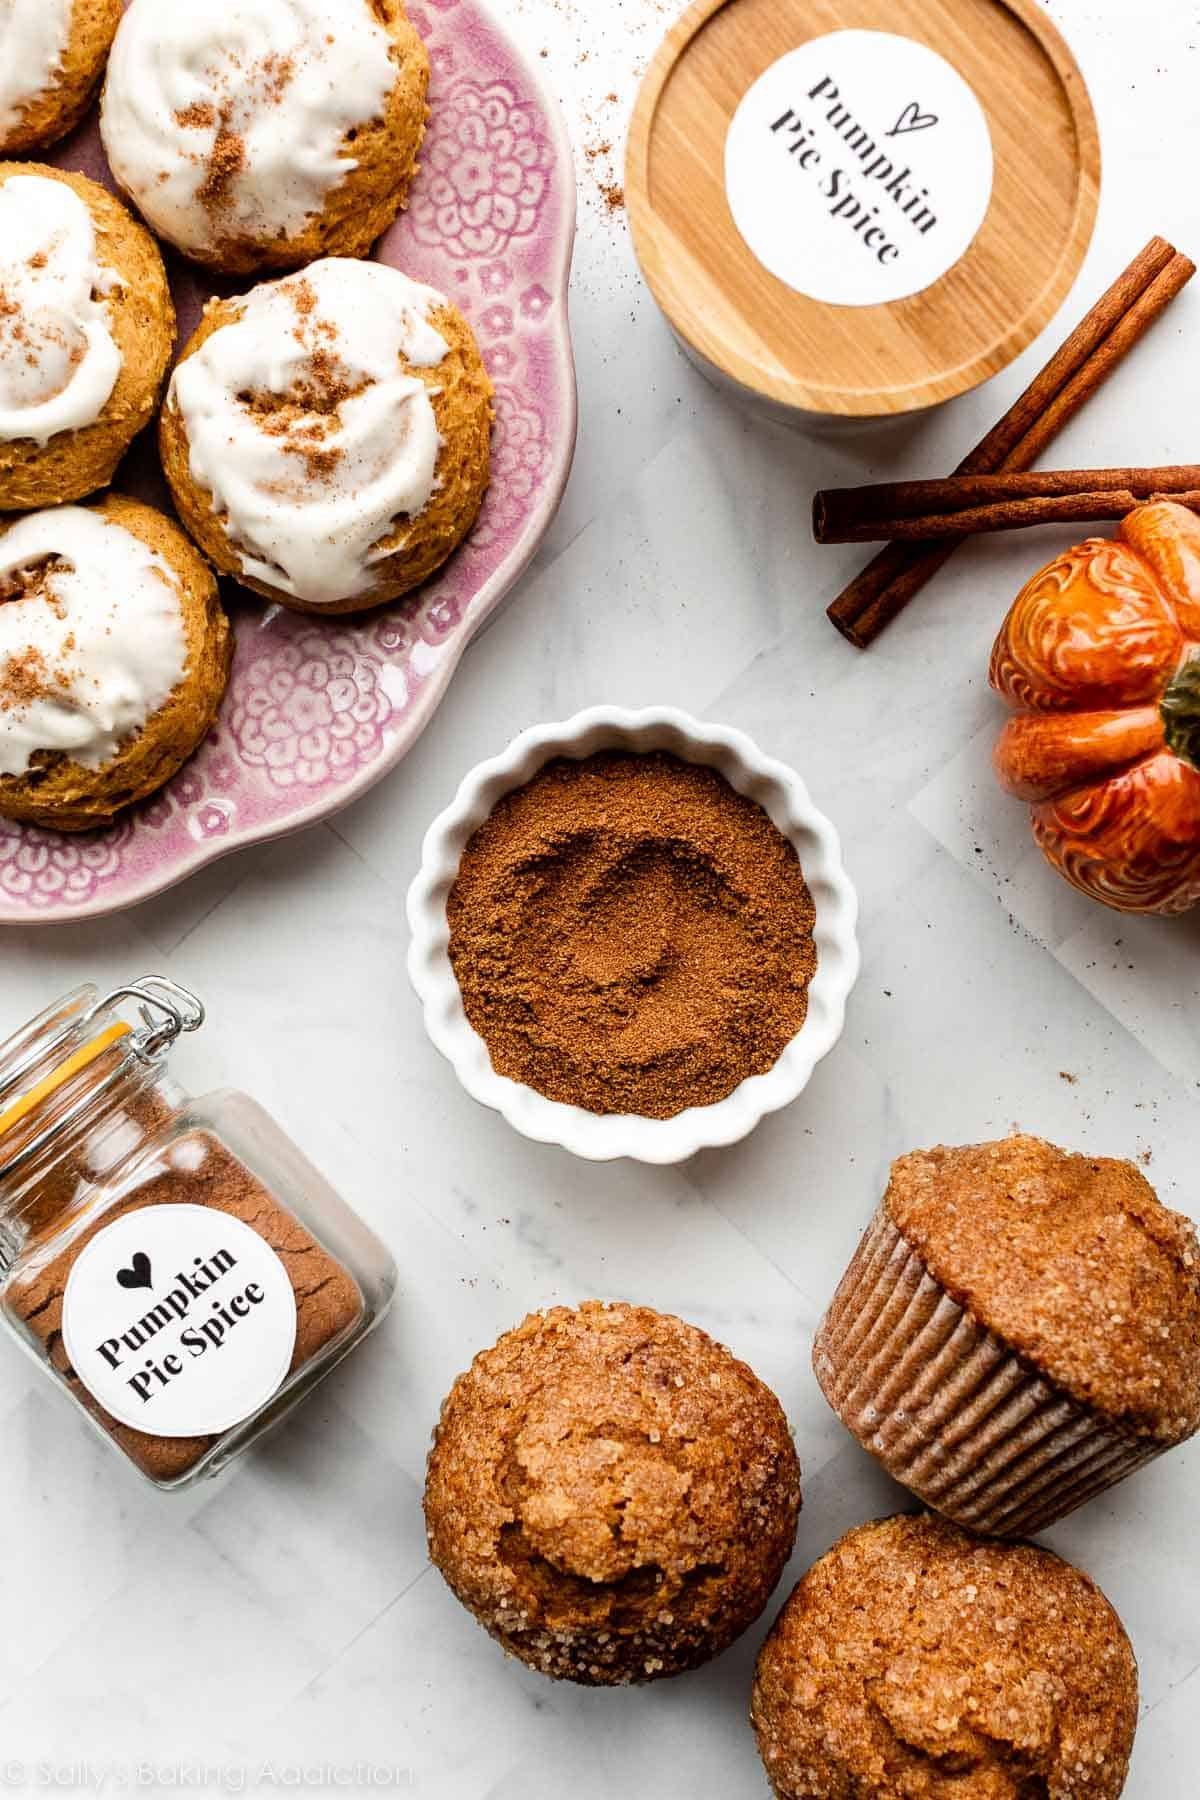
949,1410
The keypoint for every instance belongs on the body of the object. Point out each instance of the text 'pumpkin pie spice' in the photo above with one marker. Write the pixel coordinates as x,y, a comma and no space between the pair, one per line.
916,1660
175,1264
611,1493
1019,1329
196,1170
631,935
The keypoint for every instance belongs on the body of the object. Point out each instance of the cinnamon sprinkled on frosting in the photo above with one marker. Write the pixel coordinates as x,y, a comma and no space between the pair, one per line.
201,115
230,122
310,422
26,677
59,361
226,160
92,640
34,35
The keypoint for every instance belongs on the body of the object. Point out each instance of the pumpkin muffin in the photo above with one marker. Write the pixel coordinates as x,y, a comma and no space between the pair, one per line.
327,436
52,55
611,1494
86,331
1019,1329
262,134
914,1662
114,656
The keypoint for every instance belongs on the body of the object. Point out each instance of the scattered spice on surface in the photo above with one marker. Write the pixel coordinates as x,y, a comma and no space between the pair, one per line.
631,935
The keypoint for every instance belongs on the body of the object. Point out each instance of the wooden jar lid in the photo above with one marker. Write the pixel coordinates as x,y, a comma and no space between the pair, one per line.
806,354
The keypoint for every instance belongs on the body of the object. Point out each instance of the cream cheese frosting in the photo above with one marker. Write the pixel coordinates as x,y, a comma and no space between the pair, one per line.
92,639
59,362
229,120
33,36
306,426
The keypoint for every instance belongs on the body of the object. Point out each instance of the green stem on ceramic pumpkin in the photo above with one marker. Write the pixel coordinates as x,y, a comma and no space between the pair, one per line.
1180,708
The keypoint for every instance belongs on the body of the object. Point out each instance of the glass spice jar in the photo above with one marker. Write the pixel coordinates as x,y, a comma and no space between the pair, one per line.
175,1264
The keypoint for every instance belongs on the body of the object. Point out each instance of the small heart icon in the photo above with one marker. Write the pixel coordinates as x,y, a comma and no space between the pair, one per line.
912,119
137,1275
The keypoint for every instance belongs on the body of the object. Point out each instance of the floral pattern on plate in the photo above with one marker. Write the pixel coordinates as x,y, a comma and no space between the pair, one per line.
316,712
486,171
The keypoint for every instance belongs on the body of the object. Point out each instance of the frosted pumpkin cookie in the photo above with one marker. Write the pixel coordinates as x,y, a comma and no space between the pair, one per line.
114,656
51,58
260,134
326,437
86,330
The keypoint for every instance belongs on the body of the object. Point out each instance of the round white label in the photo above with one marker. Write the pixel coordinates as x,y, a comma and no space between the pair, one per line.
179,1320
859,167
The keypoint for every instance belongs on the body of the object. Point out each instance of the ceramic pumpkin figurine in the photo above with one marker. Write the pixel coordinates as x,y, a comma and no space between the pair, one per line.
1100,658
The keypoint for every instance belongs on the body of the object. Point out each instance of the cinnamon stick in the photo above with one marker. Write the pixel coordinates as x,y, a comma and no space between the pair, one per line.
968,504
1099,342
1021,515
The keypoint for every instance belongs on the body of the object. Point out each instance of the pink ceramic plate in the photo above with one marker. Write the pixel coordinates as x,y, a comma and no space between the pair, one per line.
317,711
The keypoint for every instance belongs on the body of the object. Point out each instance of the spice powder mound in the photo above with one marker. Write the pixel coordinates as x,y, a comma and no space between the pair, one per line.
631,935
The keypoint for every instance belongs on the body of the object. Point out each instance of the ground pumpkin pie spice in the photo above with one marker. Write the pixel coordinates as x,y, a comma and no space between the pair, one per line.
200,1171
631,935
174,1264
1018,1330
914,1660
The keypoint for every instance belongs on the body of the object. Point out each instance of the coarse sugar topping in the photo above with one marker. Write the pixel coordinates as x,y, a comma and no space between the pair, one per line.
1074,1262
611,1493
915,1660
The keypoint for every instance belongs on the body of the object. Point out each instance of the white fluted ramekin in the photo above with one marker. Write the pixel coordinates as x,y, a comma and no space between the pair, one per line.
781,794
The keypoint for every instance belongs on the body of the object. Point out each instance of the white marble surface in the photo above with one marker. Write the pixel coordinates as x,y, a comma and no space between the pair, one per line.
286,1615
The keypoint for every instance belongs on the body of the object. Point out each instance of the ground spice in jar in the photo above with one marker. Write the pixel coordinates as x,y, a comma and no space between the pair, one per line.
631,935
174,1264
198,1170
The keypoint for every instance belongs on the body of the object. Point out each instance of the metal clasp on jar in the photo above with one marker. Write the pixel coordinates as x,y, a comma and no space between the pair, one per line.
167,1011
